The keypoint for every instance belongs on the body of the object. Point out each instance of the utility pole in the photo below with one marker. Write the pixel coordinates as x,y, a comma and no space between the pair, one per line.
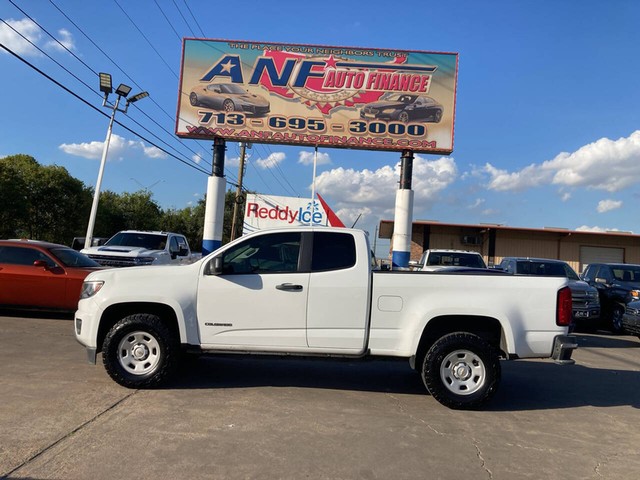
243,151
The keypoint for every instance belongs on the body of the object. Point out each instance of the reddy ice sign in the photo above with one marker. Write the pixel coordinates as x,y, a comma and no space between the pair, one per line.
268,211
317,95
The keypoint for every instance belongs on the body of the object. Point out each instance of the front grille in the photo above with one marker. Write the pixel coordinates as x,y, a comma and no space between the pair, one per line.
108,261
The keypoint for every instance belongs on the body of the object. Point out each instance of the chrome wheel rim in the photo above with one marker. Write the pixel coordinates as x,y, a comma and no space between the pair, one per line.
139,353
463,372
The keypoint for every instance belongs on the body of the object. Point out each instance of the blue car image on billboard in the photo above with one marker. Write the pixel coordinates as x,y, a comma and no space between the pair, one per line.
404,108
228,97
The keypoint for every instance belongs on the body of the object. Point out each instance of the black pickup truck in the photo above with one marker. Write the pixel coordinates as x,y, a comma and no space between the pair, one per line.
617,284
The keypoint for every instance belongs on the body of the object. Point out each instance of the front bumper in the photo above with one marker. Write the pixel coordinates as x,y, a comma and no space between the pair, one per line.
563,347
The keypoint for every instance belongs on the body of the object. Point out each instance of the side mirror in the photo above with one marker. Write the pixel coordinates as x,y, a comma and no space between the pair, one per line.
601,281
41,263
183,252
215,266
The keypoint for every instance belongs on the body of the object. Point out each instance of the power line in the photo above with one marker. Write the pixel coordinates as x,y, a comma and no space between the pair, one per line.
146,38
194,18
118,67
85,84
51,79
184,19
167,19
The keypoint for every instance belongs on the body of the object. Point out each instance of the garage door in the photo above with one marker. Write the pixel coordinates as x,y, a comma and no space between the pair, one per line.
600,255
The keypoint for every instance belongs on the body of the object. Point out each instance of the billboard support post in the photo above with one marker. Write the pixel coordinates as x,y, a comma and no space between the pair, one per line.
214,207
403,214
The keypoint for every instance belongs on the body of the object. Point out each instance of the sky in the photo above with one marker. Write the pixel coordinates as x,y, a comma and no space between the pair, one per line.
547,120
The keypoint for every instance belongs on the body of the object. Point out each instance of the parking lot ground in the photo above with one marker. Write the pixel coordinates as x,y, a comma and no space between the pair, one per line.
227,418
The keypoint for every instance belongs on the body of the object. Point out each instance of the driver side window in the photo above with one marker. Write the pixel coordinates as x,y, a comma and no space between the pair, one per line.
272,253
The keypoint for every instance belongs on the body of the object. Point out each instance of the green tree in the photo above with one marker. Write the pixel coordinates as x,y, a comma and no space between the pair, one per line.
188,221
40,202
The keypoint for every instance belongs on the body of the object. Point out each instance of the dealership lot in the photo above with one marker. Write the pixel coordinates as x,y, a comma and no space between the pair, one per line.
62,418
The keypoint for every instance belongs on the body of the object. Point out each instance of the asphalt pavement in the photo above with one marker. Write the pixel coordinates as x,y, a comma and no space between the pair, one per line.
256,418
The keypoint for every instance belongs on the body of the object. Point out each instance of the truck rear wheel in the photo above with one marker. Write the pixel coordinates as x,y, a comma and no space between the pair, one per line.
462,371
139,351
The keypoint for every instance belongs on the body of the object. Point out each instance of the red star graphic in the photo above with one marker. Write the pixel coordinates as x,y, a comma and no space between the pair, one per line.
330,62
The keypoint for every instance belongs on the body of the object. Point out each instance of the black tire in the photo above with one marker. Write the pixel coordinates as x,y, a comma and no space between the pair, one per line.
193,99
462,371
228,106
437,116
403,117
140,351
616,319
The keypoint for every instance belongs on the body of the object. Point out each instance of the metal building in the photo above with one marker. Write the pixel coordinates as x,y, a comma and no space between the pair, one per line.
494,242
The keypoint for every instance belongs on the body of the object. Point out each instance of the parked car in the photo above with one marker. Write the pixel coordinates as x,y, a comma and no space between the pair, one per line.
433,260
404,108
131,248
41,275
617,284
228,97
631,318
585,298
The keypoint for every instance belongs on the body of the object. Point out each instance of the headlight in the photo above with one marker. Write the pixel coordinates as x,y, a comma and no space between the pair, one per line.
89,289
634,294
144,260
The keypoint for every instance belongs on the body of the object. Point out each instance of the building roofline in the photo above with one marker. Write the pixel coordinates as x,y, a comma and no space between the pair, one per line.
386,231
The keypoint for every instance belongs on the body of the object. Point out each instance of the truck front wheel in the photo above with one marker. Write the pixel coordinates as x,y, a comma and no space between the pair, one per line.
462,371
139,351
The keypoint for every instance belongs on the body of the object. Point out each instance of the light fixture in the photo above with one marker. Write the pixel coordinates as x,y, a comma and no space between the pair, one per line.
138,96
123,90
105,83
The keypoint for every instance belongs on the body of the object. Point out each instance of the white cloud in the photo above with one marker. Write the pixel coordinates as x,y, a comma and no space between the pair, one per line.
477,203
17,43
306,158
271,161
197,158
65,41
609,165
119,147
565,196
586,228
23,36
608,205
373,193
153,152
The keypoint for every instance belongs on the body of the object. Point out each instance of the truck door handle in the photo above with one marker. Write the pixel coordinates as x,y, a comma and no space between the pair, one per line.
289,287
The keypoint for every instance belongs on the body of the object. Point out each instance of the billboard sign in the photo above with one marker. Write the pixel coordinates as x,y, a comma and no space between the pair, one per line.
268,211
313,95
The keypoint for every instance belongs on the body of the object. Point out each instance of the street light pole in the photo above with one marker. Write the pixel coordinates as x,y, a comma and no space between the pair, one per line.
96,193
122,91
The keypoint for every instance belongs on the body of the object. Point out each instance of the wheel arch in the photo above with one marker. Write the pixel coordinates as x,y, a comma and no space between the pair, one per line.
117,312
487,328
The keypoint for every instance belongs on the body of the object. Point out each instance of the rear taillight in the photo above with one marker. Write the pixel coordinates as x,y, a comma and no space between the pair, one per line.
564,307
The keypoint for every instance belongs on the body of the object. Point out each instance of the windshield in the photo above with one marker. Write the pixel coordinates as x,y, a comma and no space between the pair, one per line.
399,97
150,241
626,274
547,269
456,259
232,89
70,258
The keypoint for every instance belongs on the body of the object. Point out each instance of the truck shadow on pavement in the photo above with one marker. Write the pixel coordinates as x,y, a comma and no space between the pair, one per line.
526,385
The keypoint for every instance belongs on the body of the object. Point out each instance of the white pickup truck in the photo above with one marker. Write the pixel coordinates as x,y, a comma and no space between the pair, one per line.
312,292
137,248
